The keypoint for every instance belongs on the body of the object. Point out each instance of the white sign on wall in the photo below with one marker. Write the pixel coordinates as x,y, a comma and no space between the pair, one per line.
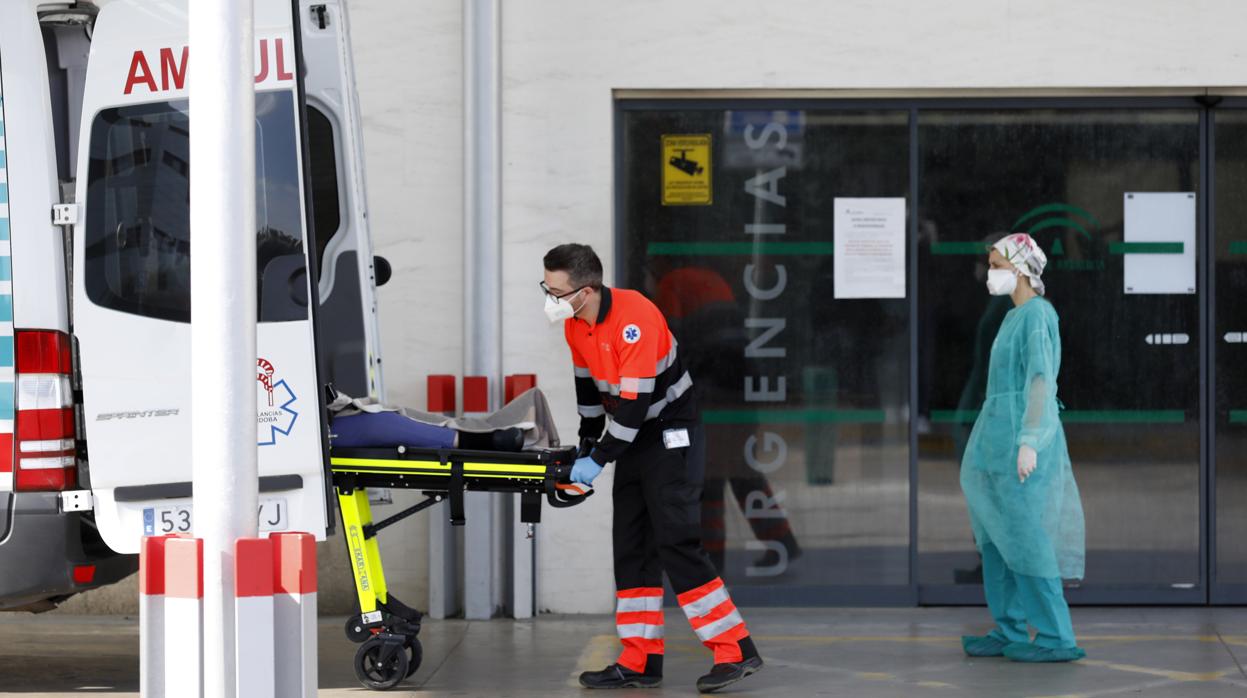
870,248
1159,245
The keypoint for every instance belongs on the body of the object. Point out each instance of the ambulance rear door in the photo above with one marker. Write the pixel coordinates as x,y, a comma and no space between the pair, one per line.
131,272
349,273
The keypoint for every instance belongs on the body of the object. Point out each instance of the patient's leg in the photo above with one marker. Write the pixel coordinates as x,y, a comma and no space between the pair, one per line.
390,429
387,430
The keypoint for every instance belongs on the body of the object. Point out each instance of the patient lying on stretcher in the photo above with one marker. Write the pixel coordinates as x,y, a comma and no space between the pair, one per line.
524,424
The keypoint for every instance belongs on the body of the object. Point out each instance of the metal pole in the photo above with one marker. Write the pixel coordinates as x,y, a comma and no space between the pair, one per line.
223,311
482,270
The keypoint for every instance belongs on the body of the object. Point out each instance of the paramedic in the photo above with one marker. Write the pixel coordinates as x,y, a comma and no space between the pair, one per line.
627,366
1024,504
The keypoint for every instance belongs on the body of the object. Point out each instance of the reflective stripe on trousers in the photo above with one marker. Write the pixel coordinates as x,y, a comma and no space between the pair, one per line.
716,621
639,622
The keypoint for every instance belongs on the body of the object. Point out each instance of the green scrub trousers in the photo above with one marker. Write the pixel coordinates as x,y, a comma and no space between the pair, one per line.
1016,599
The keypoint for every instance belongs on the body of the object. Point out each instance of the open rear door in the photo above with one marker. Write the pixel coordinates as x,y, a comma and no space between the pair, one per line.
131,305
348,275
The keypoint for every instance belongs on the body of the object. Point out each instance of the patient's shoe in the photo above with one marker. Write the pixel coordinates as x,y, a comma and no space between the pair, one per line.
509,439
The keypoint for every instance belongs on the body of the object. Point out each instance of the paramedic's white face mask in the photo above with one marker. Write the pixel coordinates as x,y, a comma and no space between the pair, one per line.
1001,282
560,309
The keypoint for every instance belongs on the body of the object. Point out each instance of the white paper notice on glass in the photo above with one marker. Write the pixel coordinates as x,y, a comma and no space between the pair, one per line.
1160,242
870,248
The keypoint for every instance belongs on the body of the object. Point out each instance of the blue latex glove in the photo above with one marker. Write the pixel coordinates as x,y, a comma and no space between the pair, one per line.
585,470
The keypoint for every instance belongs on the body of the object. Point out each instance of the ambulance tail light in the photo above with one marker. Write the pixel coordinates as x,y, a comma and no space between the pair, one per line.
44,453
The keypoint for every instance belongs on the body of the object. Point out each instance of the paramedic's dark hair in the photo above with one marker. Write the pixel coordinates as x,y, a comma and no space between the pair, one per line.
579,261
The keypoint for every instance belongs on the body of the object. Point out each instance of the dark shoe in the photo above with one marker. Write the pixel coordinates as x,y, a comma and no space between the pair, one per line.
615,676
770,558
511,439
968,576
727,674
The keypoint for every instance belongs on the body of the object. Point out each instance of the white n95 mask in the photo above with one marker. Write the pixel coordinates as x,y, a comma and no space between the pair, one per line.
559,310
1001,282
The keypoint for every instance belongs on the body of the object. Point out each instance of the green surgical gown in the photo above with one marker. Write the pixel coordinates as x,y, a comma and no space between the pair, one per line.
1038,525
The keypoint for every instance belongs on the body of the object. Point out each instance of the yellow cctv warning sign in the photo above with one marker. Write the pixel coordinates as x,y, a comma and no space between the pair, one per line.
686,170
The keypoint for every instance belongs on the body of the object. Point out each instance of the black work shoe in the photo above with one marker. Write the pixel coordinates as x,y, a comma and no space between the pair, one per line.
615,676
726,674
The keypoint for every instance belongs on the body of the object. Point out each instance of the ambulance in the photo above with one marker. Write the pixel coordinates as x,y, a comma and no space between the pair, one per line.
95,403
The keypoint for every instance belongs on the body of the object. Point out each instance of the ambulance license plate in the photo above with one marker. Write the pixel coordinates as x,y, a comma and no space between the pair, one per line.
159,521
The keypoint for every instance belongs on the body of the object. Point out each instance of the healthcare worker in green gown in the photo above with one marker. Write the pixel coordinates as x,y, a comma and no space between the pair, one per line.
1016,475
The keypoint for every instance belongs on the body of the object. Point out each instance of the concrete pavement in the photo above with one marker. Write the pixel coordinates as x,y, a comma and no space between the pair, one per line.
906,652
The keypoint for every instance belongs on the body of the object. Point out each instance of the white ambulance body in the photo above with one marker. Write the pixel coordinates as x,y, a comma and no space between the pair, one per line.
94,312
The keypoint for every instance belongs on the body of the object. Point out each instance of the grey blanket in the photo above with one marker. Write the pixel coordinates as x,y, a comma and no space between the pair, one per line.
529,411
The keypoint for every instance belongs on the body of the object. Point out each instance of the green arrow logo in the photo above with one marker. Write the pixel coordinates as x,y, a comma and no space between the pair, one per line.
1056,215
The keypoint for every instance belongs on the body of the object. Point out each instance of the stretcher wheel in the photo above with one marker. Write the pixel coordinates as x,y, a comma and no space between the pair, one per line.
355,630
380,664
416,655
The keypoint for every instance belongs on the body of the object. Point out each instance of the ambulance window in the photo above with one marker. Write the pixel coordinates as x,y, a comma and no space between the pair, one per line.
138,220
323,163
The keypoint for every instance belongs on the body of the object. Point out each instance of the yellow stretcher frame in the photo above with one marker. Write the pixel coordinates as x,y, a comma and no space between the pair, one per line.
442,474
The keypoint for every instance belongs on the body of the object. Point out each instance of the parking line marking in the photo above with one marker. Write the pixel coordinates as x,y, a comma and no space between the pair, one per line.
598,652
1184,676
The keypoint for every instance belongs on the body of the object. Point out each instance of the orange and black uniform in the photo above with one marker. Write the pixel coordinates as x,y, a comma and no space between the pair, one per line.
628,367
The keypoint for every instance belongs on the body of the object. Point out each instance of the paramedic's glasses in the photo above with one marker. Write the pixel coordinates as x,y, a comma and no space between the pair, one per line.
557,296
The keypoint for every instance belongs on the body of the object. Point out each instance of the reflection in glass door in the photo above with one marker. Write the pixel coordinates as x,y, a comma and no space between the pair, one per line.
727,221
1229,345
1130,377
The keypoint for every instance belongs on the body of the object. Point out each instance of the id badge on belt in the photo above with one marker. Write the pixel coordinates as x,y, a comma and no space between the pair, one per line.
675,438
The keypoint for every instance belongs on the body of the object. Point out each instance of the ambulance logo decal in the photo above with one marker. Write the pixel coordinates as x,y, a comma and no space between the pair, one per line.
632,334
274,414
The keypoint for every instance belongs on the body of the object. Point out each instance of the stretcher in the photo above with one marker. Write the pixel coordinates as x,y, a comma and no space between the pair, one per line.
386,628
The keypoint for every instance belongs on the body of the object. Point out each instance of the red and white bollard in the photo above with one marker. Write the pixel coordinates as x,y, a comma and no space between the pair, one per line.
475,396
254,637
441,394
294,606
183,621
523,554
274,621
444,553
152,616
517,384
481,536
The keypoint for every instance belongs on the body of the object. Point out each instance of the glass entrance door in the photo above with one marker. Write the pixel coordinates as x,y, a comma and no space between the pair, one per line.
1092,185
1229,352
